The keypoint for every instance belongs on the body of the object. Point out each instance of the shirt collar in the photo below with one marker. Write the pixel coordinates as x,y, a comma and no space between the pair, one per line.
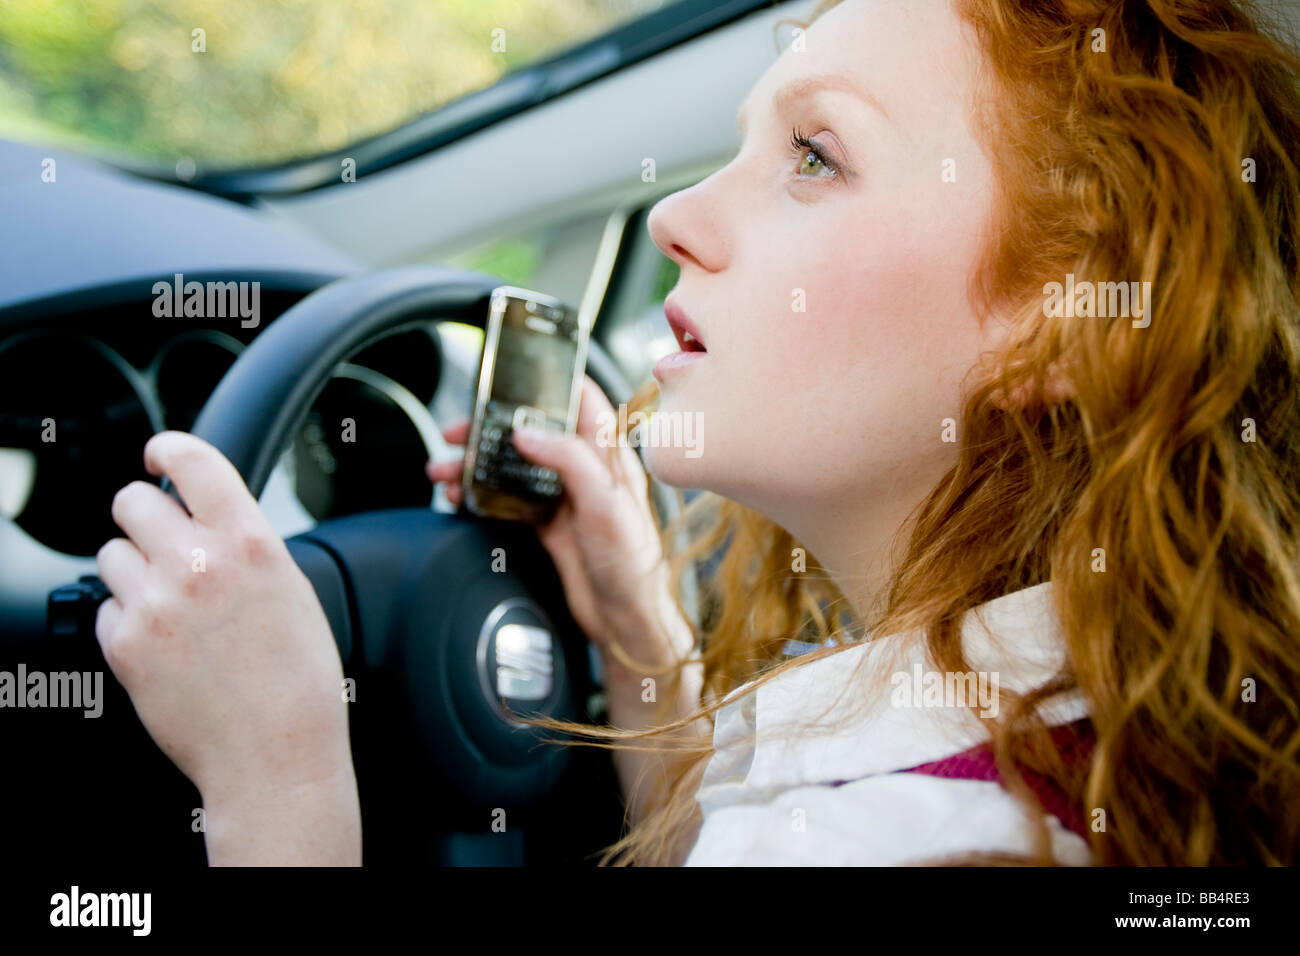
1013,642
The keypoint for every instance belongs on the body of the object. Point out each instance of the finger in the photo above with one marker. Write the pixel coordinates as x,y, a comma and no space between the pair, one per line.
626,465
444,470
560,541
108,621
579,465
122,567
594,411
598,424
151,518
456,434
210,485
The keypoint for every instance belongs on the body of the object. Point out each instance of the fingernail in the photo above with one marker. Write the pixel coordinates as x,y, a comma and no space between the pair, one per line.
530,433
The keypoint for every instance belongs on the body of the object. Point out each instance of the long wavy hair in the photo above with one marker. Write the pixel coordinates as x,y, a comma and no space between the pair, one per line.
1158,492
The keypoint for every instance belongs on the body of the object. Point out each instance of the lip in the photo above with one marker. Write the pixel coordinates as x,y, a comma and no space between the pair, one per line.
681,323
675,362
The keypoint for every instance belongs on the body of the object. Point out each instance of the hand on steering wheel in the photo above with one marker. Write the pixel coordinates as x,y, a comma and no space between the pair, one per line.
223,646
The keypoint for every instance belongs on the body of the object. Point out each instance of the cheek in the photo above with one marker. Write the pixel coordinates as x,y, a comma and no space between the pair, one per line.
853,388
870,369
880,308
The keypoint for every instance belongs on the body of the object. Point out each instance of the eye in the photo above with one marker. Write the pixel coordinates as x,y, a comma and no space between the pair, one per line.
811,161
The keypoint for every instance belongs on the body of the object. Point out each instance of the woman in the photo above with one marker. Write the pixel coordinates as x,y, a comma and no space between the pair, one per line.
998,303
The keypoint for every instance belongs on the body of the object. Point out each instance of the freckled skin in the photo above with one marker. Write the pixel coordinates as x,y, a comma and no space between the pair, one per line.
808,417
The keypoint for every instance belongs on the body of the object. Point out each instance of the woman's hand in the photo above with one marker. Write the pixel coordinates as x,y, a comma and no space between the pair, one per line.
605,545
603,538
222,644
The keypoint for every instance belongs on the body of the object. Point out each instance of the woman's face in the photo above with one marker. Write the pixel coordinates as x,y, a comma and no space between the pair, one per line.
830,290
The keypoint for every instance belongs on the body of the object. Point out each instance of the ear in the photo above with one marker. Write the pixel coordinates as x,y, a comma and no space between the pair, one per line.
1056,389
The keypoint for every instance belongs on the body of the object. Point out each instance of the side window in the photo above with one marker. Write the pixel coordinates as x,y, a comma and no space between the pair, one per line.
555,257
631,325
559,258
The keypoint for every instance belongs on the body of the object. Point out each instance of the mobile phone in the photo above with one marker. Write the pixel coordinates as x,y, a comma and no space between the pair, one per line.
534,359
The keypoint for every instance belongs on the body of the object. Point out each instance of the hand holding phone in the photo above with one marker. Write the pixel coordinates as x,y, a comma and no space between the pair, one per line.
604,540
531,370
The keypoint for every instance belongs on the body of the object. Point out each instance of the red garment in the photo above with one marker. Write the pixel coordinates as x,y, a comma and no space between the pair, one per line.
1073,741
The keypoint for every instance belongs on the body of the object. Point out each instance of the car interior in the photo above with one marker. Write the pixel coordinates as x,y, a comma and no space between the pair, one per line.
370,267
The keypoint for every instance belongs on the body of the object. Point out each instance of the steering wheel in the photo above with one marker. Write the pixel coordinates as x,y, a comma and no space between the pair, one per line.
453,612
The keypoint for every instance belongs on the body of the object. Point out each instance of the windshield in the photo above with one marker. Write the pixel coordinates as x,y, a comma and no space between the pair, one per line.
240,83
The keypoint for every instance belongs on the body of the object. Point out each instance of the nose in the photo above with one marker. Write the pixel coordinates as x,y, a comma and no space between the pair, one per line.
689,227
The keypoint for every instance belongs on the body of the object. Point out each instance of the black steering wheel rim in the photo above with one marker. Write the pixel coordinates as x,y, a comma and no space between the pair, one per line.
394,573
251,414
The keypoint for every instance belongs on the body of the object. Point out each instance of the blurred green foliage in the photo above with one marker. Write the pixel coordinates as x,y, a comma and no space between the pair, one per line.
665,279
513,260
277,79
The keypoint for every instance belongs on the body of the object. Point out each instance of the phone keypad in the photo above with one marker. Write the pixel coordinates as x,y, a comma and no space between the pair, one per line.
498,464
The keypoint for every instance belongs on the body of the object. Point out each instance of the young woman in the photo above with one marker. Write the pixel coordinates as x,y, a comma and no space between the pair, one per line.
998,307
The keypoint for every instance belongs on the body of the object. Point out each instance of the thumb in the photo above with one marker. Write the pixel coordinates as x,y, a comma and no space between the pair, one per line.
585,476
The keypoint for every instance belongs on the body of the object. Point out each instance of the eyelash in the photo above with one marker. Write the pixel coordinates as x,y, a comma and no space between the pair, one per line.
802,146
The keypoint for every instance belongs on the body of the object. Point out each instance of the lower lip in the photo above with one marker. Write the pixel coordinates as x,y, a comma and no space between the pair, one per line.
675,362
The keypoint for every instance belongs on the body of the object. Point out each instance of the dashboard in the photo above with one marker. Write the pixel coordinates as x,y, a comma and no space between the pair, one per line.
78,402
90,367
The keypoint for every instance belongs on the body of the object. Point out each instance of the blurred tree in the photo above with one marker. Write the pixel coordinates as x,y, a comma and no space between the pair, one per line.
265,81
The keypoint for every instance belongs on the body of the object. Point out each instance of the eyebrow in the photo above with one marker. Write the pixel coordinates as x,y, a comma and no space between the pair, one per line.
804,86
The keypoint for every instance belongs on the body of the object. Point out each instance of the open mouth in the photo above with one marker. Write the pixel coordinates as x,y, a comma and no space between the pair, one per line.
688,342
684,329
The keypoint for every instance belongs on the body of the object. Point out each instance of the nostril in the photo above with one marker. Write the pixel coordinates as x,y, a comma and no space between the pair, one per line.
682,256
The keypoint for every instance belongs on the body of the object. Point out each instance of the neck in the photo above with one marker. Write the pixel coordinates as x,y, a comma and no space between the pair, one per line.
858,544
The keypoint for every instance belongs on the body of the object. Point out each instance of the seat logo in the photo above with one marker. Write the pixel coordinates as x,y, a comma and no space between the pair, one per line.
525,670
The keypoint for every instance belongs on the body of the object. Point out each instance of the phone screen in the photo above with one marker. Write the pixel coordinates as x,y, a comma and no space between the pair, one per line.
535,361
536,352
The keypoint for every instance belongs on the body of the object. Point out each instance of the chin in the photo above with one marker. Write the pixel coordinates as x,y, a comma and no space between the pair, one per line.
676,465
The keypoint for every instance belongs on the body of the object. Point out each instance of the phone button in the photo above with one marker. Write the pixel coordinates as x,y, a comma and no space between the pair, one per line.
527,415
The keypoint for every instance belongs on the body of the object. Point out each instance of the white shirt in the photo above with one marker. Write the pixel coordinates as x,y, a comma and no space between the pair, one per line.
768,800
